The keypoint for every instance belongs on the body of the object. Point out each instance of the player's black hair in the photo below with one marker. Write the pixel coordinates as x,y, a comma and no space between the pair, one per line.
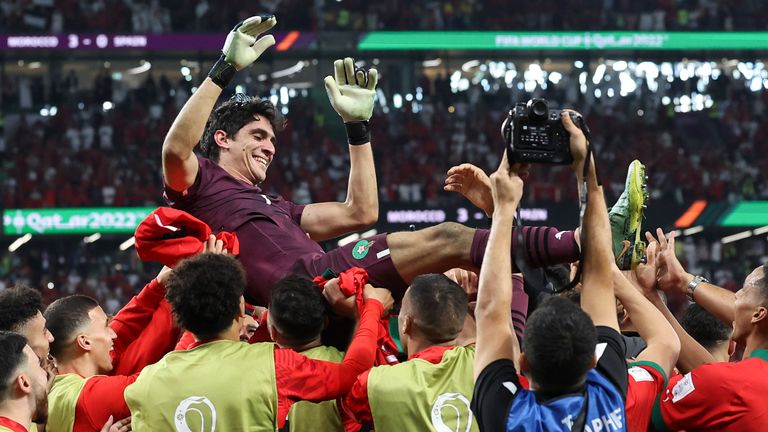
204,292
235,113
704,327
65,317
11,359
18,305
439,306
298,309
559,344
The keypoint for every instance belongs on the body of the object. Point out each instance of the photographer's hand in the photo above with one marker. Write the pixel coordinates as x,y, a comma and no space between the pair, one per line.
578,143
473,183
507,187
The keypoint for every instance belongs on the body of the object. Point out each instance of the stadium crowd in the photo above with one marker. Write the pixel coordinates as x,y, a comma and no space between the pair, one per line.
97,166
717,153
251,325
152,16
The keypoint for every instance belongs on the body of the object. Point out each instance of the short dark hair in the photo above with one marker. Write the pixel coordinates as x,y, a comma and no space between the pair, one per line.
704,327
18,305
235,113
559,344
297,308
11,359
204,292
66,316
439,306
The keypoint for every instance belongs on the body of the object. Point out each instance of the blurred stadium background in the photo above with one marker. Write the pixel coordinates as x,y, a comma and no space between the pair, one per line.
89,89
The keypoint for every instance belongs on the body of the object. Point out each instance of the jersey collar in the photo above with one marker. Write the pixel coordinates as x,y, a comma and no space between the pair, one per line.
433,354
12,425
762,354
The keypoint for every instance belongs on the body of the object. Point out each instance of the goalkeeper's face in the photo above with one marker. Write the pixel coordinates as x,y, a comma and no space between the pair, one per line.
252,149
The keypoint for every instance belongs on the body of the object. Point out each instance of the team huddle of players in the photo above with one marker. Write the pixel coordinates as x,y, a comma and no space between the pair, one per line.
481,349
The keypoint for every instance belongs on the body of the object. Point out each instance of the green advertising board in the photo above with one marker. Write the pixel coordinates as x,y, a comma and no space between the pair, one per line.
747,214
483,40
103,220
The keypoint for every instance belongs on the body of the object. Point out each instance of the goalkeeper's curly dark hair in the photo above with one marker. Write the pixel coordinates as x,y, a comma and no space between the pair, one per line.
205,293
232,115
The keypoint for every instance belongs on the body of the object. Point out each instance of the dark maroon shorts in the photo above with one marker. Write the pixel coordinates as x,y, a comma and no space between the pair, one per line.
371,253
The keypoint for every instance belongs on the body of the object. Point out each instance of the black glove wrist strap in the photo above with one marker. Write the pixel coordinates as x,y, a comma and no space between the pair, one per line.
222,72
358,132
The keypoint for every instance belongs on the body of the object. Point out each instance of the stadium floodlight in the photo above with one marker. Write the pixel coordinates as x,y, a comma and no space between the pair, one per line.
128,243
144,67
288,71
349,239
736,237
91,238
619,65
466,67
599,73
760,231
693,230
13,247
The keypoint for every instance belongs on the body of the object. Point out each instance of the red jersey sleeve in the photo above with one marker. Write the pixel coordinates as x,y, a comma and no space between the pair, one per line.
157,339
356,403
698,400
187,339
646,381
301,378
101,397
133,318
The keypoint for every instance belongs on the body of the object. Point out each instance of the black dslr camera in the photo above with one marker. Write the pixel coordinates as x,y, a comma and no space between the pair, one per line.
535,134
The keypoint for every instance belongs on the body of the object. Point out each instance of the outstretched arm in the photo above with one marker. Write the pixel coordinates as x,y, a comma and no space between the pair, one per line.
240,50
351,94
663,343
473,183
673,278
597,297
495,337
692,354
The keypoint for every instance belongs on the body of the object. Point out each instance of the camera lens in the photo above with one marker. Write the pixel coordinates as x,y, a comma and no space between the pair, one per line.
537,109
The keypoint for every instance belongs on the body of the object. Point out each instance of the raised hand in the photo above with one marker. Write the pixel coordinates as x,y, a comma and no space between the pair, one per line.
578,141
214,245
506,184
466,279
352,92
473,183
644,275
670,275
381,294
339,303
242,46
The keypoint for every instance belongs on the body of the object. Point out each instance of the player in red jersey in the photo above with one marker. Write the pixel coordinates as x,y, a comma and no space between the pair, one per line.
23,385
206,294
87,346
718,396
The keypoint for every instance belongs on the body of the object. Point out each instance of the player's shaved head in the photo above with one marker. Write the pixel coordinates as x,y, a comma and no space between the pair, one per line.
438,307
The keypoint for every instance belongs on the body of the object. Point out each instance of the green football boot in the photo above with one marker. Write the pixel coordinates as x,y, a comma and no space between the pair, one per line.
626,218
